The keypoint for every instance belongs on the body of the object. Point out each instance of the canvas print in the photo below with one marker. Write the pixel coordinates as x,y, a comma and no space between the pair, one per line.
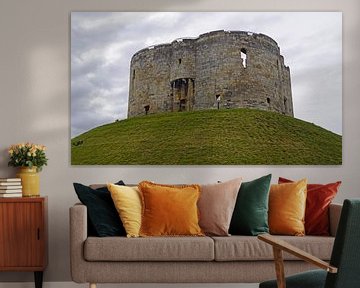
209,88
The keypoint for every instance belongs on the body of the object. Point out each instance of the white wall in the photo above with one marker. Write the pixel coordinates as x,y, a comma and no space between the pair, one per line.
35,105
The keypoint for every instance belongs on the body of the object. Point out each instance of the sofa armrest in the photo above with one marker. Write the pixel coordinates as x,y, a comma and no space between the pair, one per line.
334,217
78,235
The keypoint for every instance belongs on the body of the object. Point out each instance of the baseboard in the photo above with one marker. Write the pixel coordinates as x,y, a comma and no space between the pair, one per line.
74,285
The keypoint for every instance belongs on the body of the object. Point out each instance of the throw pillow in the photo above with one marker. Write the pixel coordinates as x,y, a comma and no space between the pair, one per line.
127,201
216,206
102,215
250,215
318,200
169,210
287,204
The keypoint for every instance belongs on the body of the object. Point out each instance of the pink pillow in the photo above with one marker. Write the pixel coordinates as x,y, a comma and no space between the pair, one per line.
216,205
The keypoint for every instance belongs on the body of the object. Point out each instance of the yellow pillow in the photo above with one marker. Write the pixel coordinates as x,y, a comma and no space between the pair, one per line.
287,204
127,201
169,210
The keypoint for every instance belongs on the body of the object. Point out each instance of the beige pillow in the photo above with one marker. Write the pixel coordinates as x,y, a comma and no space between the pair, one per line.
216,205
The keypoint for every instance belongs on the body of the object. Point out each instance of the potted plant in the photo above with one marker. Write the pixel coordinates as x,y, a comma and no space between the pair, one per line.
30,158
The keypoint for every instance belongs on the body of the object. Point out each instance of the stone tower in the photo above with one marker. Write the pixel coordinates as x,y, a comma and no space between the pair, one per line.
217,70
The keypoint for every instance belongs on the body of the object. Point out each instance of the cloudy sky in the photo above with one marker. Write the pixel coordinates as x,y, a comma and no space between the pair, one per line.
102,45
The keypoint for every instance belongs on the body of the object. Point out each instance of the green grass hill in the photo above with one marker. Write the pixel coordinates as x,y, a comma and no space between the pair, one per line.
211,137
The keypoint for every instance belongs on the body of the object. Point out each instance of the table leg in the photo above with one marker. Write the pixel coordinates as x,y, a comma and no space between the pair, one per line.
38,279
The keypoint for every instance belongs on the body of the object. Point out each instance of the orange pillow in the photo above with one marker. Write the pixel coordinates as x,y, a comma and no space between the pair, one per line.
287,204
169,210
318,200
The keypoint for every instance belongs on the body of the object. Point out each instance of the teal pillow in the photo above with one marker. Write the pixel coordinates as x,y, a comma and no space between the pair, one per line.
250,216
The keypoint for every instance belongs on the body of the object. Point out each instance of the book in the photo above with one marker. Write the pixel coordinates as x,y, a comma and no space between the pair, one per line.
10,191
9,183
10,180
10,187
4,195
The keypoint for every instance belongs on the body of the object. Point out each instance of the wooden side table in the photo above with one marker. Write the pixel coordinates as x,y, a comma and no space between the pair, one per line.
23,235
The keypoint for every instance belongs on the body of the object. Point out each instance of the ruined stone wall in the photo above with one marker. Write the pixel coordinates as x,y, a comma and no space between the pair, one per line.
219,69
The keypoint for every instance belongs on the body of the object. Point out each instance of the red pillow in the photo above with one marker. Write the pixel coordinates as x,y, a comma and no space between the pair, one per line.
319,197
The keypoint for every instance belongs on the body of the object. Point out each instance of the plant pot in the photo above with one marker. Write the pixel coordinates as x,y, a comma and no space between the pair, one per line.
30,181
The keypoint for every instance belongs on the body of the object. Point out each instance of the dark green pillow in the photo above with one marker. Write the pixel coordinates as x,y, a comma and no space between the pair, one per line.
250,216
103,218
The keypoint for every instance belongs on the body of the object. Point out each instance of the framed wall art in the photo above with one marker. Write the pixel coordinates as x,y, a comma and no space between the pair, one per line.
210,88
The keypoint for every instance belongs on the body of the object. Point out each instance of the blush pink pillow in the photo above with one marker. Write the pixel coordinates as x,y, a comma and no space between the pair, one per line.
216,206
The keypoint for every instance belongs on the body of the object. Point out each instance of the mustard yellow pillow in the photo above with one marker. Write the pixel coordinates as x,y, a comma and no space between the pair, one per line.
169,210
287,204
127,201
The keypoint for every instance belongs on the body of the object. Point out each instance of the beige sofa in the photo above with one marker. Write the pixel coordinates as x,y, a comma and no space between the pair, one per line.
234,259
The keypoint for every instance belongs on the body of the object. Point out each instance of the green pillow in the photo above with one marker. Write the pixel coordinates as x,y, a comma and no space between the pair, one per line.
250,216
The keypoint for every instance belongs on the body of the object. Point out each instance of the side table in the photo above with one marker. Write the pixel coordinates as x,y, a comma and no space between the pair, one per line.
23,235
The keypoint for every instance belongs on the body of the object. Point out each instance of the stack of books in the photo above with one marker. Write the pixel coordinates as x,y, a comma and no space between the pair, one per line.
10,187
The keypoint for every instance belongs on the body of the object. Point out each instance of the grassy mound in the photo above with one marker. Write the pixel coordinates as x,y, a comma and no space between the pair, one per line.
232,137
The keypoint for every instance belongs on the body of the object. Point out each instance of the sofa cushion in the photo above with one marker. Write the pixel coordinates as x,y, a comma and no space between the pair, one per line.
169,210
287,204
318,199
244,248
250,215
127,201
149,249
216,206
102,216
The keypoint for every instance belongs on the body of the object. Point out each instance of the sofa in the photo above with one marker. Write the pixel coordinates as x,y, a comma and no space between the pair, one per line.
233,259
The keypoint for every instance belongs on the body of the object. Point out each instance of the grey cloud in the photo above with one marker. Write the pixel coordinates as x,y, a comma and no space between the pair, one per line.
319,96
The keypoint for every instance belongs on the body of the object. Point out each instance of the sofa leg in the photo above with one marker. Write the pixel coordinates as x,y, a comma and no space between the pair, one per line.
92,285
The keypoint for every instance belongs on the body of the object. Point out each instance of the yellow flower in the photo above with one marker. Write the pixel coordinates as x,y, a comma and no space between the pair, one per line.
28,154
11,151
42,147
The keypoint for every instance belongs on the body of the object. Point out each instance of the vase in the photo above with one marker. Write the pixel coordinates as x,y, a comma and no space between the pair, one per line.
30,181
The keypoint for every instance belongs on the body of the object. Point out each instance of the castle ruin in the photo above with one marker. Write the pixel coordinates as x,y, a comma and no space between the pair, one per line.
217,70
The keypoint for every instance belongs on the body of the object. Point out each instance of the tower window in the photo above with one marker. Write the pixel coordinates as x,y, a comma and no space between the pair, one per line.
268,100
146,108
218,99
179,61
133,79
243,56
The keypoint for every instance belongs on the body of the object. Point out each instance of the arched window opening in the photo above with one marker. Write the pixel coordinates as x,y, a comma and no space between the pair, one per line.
179,61
268,100
218,99
243,56
146,108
